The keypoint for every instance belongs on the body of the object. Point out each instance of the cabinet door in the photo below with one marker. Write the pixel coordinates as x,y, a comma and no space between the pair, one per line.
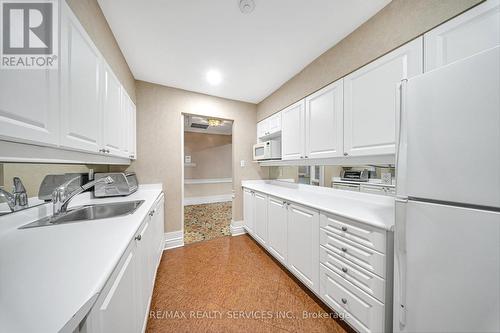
118,311
277,228
114,119
81,116
292,132
274,123
476,30
159,229
260,230
370,100
29,107
146,265
248,210
324,122
262,127
303,244
133,131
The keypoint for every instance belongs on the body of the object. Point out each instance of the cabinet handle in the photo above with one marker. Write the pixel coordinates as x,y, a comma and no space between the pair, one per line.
344,228
101,150
138,237
301,156
344,270
344,249
107,151
306,156
151,213
345,154
344,300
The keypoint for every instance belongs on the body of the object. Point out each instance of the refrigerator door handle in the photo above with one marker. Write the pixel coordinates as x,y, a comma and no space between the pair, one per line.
400,251
401,139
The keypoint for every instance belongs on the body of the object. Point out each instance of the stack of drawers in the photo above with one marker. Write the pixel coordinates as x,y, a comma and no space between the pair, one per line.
356,272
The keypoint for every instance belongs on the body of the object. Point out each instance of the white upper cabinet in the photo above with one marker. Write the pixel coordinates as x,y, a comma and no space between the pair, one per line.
114,115
132,129
472,32
292,131
29,106
269,127
324,122
370,100
81,109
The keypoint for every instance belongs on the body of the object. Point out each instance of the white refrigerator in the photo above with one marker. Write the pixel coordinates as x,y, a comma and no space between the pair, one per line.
447,233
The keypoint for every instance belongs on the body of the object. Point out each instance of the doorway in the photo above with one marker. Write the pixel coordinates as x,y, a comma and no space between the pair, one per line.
208,178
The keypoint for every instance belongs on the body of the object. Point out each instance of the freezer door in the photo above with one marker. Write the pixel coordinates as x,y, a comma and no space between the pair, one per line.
452,266
453,132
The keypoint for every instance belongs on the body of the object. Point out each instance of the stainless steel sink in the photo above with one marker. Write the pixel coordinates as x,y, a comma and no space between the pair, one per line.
88,213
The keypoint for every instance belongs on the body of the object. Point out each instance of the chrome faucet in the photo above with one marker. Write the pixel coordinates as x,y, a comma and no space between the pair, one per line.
60,199
18,199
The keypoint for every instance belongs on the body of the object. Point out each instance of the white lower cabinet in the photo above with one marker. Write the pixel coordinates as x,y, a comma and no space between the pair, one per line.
248,210
260,230
362,312
347,264
123,304
303,244
277,226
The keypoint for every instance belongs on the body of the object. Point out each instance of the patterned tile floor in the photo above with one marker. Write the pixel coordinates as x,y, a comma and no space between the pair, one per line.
231,284
208,221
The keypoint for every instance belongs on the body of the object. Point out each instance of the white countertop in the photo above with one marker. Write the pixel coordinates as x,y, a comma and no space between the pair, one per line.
372,209
375,182
47,274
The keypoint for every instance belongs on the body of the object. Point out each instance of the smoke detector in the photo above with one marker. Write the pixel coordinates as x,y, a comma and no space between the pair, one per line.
247,6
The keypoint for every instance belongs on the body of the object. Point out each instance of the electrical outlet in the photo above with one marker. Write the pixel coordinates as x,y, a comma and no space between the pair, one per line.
242,163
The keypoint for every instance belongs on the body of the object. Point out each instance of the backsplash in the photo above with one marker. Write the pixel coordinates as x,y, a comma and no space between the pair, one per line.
32,174
322,175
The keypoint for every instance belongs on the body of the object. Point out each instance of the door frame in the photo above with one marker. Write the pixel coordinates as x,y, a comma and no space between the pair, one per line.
183,117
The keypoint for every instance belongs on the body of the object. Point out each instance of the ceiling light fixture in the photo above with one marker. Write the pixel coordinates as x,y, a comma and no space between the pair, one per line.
214,122
247,6
214,77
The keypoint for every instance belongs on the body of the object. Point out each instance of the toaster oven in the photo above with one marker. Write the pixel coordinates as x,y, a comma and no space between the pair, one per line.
123,184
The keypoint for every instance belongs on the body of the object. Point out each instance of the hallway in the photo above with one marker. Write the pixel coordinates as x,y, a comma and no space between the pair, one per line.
207,221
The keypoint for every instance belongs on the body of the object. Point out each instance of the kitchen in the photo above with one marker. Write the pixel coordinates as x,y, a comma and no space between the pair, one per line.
365,155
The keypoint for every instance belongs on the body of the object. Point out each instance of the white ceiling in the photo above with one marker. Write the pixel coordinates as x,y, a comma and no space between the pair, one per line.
175,42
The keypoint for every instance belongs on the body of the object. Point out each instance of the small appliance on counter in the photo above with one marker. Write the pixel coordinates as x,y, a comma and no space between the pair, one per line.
355,175
267,150
51,182
124,183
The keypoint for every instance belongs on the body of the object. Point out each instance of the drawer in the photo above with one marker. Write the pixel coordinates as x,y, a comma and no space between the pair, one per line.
364,257
357,232
366,281
363,312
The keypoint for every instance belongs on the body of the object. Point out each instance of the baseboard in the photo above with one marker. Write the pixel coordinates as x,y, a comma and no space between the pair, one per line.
208,199
237,228
174,239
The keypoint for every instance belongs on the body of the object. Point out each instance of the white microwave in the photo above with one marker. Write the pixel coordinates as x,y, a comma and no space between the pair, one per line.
267,150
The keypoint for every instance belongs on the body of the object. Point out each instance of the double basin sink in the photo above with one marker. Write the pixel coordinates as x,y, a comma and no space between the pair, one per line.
88,213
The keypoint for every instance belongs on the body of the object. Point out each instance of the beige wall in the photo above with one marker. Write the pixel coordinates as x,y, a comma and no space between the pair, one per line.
397,23
159,141
206,190
92,19
32,174
211,153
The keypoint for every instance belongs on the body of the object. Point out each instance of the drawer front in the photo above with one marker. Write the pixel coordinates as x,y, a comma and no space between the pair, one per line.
363,312
357,232
366,281
362,256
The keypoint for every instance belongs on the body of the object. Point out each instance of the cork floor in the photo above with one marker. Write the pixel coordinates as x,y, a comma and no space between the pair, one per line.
231,284
206,221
